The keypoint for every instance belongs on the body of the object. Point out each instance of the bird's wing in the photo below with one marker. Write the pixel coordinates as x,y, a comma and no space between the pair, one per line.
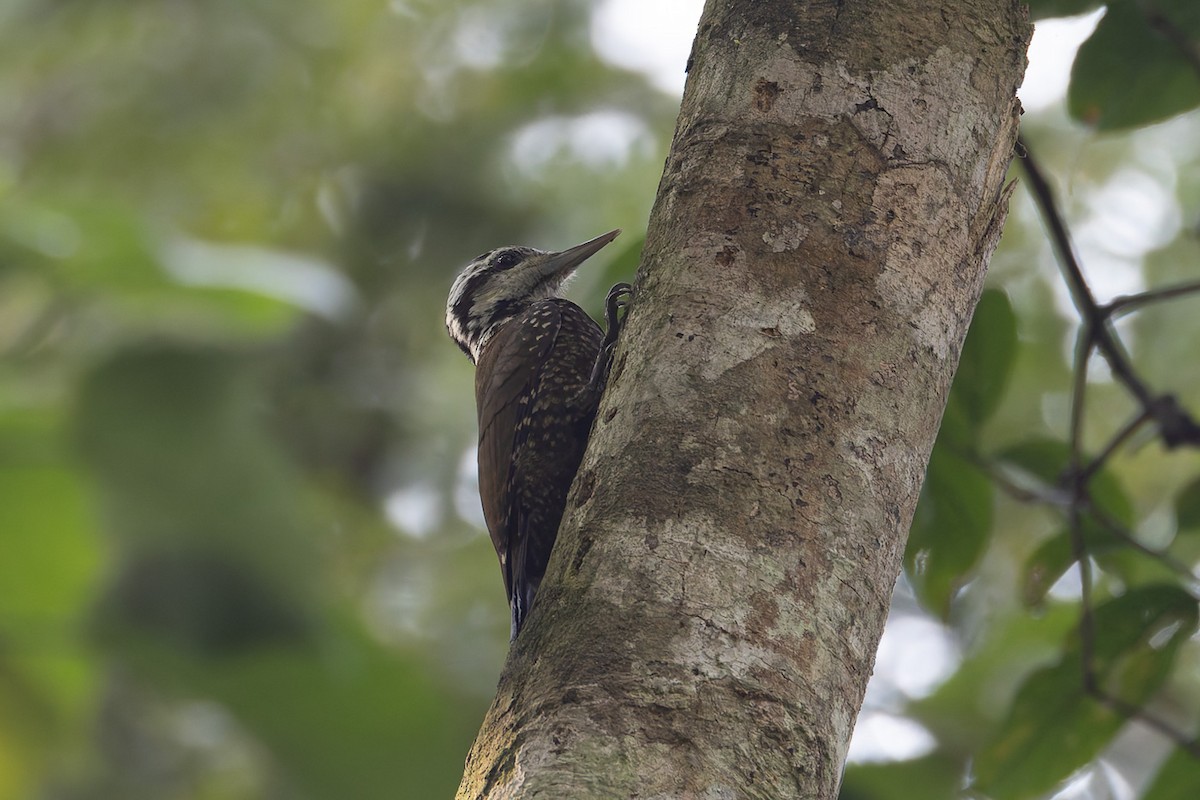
548,445
504,377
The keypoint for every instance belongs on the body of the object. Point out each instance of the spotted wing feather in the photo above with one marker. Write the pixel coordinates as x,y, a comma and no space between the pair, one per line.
535,412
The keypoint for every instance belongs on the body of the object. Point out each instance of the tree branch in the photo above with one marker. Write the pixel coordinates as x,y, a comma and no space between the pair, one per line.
1177,426
1127,303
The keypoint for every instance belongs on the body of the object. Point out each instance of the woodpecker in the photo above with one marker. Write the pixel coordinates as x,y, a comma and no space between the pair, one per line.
541,364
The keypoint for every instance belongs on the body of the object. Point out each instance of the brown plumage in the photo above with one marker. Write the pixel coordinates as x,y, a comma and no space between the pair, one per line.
540,368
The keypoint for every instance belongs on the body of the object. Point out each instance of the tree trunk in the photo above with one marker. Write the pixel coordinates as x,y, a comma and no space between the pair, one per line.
711,612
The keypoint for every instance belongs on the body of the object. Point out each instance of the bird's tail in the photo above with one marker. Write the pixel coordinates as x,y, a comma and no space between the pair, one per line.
520,605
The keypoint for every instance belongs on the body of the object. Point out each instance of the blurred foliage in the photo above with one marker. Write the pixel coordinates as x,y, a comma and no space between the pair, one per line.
1054,726
1140,65
242,554
242,544
990,551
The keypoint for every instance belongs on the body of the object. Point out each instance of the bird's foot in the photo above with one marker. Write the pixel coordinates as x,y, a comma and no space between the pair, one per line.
618,298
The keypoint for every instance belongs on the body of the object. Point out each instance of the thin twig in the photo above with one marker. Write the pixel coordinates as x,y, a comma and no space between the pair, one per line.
1127,303
1176,425
1127,538
1162,24
1048,495
1132,711
1098,462
1081,293
1059,498
1076,483
1053,496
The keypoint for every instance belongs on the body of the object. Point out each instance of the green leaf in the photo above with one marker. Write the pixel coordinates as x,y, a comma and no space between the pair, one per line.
1129,74
105,251
956,431
1045,9
1047,564
963,710
1177,779
1046,460
1137,635
1054,728
1043,462
950,529
1057,554
85,246
939,777
1187,507
1043,458
987,357
1052,731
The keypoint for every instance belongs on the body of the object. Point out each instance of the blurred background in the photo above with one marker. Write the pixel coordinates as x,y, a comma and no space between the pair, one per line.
241,548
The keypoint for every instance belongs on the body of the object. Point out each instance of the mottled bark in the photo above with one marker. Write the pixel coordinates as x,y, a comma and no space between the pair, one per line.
710,617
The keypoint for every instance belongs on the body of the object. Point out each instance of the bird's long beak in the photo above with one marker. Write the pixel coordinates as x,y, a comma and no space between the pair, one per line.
564,262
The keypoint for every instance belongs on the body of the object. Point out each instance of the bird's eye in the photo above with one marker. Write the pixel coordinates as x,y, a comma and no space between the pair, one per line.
509,258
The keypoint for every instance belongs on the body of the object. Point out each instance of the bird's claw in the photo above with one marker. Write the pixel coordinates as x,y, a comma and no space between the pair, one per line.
618,298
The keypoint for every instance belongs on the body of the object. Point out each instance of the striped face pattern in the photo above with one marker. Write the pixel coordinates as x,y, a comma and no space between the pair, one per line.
493,289
502,283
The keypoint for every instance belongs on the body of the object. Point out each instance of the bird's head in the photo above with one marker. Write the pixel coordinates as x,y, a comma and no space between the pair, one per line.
502,283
